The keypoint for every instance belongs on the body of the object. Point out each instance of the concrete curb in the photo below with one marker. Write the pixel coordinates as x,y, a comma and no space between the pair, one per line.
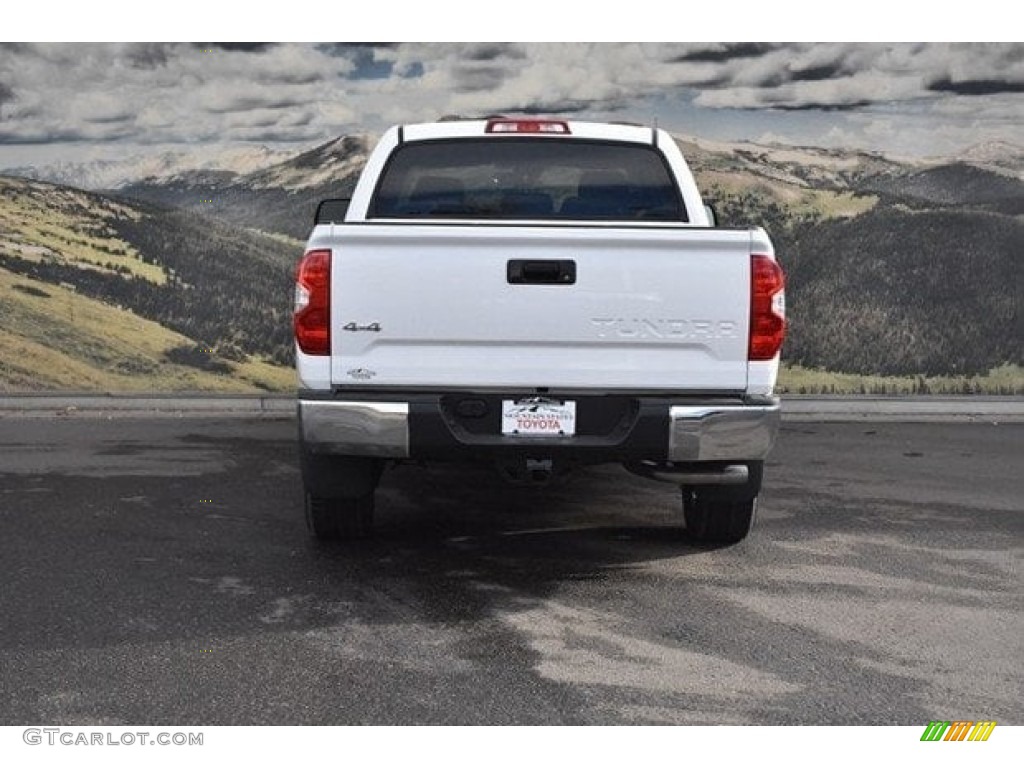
146,405
907,409
795,408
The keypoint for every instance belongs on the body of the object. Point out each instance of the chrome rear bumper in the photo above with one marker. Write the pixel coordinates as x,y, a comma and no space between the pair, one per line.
355,428
722,432
696,433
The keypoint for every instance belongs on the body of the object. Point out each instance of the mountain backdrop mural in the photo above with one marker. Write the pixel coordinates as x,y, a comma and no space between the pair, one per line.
169,267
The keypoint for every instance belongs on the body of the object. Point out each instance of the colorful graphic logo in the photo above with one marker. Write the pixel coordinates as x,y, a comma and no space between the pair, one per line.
958,730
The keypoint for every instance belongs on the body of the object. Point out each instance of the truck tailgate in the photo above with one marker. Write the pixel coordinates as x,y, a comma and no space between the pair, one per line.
627,308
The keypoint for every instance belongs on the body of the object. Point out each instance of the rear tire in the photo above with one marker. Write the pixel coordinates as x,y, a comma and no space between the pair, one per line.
715,520
723,514
339,519
339,494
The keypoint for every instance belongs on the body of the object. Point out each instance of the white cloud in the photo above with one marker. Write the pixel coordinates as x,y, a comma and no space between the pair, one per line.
176,93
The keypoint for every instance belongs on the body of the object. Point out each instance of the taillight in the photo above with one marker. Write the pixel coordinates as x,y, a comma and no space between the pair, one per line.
313,303
767,308
526,125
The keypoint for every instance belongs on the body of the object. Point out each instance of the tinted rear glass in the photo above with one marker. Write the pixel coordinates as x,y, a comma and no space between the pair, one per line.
517,178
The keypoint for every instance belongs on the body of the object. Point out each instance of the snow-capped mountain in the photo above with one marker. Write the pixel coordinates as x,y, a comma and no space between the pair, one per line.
277,198
336,159
786,164
160,167
997,156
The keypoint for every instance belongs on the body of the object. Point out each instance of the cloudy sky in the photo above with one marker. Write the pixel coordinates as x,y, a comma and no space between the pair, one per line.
77,101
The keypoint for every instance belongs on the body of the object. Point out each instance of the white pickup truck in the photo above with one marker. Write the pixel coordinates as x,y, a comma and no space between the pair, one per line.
536,294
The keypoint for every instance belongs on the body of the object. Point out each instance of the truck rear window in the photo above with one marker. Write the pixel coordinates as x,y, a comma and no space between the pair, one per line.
523,178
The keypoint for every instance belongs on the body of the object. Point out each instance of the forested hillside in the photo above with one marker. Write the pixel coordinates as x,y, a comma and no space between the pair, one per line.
209,303
907,292
892,271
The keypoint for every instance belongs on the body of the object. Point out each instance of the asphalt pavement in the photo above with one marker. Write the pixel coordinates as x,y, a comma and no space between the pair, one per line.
157,571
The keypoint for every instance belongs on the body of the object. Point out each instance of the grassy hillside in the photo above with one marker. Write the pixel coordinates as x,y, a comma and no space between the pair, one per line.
797,380
99,294
44,222
53,338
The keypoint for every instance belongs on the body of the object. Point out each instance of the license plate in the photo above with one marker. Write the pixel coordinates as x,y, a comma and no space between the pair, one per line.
538,416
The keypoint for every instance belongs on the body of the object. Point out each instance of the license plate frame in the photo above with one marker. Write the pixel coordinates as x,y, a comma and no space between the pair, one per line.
538,417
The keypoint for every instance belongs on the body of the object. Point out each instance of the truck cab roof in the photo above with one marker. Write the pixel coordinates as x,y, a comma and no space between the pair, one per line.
532,126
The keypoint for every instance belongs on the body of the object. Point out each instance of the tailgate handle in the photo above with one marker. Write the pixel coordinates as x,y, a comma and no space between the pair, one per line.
541,272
